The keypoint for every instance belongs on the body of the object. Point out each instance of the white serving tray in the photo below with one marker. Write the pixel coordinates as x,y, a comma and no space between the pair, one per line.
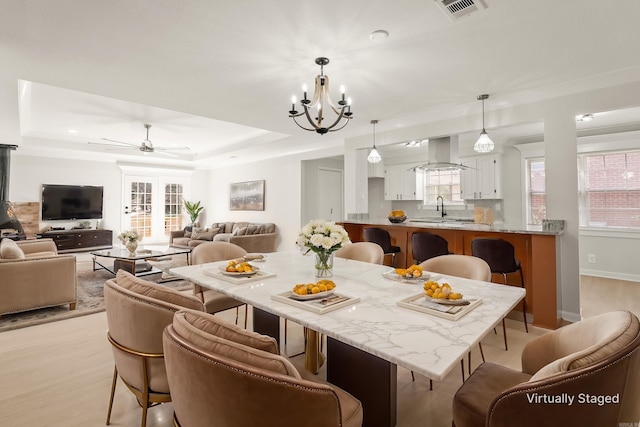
425,304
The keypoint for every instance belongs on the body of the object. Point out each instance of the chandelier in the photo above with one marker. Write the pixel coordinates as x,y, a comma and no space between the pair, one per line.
321,94
484,144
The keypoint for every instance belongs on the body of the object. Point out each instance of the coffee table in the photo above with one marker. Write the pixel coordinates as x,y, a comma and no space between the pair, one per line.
133,263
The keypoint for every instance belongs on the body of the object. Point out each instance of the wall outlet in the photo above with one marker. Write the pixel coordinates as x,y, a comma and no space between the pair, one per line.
592,258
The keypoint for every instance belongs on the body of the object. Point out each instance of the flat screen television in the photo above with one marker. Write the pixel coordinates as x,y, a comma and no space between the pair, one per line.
71,202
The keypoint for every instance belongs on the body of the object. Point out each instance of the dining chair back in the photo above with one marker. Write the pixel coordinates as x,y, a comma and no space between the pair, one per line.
204,253
362,251
222,375
465,266
593,365
382,238
425,245
137,313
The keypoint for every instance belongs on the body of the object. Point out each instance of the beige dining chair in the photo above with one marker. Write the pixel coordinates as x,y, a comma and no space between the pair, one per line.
137,313
466,266
362,251
223,375
215,302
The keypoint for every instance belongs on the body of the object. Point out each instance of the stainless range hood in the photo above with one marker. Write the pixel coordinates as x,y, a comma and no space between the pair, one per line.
442,154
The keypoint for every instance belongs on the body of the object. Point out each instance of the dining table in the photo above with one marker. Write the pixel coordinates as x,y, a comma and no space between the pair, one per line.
381,323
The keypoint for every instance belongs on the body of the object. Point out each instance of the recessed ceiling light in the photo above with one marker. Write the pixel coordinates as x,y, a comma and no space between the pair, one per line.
585,117
73,131
378,35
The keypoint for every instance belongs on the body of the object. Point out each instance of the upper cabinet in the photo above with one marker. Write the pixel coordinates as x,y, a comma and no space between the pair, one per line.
483,178
402,183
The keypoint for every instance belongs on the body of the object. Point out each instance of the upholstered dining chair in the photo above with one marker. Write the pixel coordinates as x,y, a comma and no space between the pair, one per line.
426,245
500,255
362,251
137,313
223,375
586,373
382,238
215,302
465,266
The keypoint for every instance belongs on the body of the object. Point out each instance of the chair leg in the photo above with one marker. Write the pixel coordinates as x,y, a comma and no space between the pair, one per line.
462,366
246,315
237,313
524,303
393,259
504,329
430,384
285,331
413,377
481,352
113,392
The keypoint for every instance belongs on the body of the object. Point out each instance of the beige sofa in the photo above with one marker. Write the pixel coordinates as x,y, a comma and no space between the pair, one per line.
252,237
33,275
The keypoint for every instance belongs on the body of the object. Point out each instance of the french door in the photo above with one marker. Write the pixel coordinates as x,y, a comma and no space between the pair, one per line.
153,206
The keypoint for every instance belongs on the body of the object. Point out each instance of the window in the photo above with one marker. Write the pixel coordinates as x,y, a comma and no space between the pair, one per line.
536,195
172,208
610,189
445,183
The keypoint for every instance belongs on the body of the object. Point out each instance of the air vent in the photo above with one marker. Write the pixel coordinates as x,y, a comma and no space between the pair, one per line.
456,9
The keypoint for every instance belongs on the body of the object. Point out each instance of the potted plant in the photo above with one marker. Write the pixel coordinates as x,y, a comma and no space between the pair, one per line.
193,209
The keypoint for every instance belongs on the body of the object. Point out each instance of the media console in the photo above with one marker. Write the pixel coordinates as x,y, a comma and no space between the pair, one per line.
79,240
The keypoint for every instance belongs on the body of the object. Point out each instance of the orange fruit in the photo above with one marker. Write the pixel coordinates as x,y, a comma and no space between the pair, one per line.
315,290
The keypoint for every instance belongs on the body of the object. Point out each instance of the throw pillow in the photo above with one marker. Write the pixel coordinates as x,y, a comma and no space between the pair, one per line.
202,235
253,229
240,231
10,250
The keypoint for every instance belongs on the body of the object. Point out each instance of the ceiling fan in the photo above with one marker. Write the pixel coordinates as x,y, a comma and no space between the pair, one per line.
145,146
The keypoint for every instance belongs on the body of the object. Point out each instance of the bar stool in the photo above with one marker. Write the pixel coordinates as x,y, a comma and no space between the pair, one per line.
500,255
426,245
382,238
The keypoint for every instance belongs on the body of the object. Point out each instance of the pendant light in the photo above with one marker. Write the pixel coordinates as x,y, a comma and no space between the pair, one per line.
484,144
374,156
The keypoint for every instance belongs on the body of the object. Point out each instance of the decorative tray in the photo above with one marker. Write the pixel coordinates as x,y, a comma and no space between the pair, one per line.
320,305
238,280
237,273
392,275
425,304
311,296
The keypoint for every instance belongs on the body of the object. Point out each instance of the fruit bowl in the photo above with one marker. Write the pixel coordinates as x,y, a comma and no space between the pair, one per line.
397,219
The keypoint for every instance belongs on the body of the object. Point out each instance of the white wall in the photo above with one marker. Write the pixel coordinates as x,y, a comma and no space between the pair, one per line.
282,196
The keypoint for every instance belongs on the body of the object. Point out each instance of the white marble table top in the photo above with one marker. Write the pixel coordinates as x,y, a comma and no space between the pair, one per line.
426,344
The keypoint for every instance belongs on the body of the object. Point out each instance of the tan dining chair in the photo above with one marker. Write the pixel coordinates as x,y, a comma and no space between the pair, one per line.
466,266
137,313
596,358
223,375
215,302
362,251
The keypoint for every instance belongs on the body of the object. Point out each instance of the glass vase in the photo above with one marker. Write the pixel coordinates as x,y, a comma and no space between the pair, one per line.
131,246
324,264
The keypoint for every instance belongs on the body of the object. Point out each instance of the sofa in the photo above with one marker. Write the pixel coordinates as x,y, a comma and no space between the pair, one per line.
252,237
33,275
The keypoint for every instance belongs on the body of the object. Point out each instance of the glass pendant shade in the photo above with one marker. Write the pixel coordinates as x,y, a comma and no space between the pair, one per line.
484,144
374,156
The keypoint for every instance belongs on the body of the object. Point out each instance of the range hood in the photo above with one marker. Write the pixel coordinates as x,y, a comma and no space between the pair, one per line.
442,154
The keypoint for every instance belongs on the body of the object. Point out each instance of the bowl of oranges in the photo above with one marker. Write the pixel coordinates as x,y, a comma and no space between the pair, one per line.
397,217
411,274
307,291
442,293
239,268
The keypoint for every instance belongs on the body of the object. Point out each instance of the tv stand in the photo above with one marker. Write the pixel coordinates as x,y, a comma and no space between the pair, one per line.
79,240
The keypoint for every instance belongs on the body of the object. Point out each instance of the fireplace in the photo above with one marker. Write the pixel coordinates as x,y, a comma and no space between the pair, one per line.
9,224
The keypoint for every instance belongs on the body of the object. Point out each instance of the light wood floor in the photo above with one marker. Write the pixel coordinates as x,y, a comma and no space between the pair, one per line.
59,374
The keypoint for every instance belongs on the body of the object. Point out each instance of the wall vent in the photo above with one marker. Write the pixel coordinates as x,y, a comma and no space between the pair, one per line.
456,9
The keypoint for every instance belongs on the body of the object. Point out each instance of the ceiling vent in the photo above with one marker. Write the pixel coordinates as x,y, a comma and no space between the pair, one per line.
456,9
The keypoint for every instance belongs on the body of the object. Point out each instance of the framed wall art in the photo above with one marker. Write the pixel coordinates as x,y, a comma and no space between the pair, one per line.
246,196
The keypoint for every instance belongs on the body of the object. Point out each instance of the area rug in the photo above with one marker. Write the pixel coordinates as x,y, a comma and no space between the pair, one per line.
90,294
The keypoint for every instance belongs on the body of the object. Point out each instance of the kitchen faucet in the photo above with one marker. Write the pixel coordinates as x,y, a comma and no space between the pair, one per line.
441,200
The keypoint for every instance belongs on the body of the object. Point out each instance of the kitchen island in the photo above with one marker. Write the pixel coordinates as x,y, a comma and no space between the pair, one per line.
536,249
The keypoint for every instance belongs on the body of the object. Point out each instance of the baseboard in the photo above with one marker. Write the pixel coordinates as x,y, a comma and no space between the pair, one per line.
610,275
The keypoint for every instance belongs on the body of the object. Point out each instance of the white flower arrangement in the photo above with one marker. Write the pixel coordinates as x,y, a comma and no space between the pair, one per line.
129,236
323,237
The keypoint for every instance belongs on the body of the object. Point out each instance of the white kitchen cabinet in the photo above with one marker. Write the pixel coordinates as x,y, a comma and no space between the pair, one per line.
483,179
402,183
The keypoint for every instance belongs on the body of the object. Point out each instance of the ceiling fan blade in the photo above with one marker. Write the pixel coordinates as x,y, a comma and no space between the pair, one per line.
103,144
171,148
119,148
164,153
119,142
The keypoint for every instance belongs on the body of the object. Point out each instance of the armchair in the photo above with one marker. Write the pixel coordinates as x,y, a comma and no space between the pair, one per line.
586,373
35,276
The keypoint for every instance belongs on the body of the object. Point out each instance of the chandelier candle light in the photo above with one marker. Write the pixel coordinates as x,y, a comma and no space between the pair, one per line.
484,144
342,109
323,238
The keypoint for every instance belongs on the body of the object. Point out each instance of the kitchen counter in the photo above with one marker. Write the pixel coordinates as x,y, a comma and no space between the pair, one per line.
536,249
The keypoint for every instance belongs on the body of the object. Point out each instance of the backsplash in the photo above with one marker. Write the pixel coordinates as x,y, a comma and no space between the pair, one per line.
414,209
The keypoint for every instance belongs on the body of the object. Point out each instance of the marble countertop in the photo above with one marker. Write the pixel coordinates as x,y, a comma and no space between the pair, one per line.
452,224
427,344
